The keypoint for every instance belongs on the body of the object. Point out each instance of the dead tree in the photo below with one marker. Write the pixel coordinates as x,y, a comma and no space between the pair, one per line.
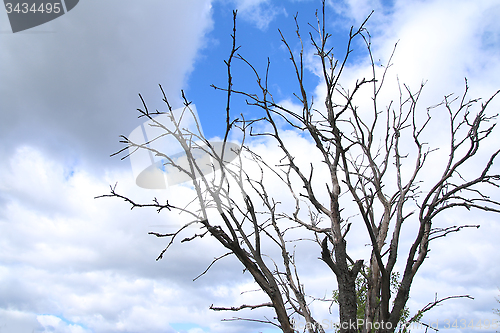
363,149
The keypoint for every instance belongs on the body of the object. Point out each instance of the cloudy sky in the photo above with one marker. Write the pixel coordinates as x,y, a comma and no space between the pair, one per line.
69,88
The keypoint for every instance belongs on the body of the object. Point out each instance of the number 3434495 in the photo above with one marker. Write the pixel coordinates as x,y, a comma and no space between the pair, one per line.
25,8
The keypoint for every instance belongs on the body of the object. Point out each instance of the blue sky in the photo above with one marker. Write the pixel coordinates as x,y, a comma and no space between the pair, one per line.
258,41
68,89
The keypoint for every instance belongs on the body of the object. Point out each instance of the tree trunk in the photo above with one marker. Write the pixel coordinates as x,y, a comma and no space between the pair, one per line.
347,291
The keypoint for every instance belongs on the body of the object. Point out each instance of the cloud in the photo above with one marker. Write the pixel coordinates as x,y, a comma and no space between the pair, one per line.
439,42
92,261
70,86
354,12
55,324
259,12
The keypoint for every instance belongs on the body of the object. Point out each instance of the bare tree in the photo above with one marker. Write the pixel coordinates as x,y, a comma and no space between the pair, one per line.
367,181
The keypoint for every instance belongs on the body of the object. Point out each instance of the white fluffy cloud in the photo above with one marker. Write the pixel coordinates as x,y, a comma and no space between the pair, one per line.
75,263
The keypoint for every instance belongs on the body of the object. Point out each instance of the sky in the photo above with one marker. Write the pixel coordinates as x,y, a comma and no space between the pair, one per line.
68,88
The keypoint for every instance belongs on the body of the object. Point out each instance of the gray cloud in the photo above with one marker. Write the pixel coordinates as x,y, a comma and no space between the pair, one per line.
70,87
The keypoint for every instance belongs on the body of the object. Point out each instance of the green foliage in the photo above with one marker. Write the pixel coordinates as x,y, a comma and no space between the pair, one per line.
405,313
361,295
